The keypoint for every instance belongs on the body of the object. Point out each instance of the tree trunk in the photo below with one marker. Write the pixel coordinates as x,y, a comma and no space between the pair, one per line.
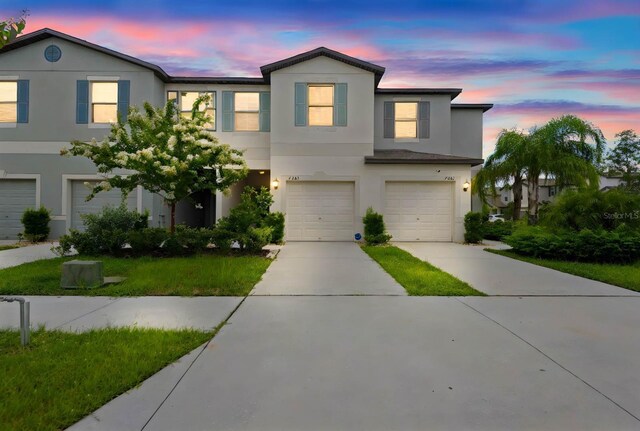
517,198
533,200
172,226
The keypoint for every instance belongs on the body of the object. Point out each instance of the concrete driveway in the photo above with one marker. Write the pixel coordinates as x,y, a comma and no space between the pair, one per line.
498,275
401,363
18,256
326,268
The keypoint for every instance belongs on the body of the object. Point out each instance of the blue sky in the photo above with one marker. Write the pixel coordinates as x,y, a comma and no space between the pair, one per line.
534,59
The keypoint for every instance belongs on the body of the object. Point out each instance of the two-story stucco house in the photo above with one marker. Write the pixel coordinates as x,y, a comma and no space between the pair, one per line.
315,127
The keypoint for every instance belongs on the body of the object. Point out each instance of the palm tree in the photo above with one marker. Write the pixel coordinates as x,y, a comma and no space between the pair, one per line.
506,164
566,148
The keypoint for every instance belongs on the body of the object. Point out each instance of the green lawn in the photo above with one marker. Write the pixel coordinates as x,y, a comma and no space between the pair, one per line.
8,247
62,377
627,276
418,277
205,275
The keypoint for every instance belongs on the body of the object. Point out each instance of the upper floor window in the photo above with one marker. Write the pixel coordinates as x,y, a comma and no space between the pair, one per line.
8,101
246,112
320,104
406,120
186,99
104,102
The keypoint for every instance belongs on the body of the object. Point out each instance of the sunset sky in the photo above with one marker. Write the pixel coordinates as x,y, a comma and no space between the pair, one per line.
533,59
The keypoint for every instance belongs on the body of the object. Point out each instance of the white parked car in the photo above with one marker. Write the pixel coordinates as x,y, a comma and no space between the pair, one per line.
495,217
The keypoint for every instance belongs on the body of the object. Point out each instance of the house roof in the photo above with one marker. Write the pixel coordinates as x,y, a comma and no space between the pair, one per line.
484,106
453,92
267,69
47,33
408,157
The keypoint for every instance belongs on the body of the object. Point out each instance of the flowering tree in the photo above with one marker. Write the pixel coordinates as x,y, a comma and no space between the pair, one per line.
11,28
164,153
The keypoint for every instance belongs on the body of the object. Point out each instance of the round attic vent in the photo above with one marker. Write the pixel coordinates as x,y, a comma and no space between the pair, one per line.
52,53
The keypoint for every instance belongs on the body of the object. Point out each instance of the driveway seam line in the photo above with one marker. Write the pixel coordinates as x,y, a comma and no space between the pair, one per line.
219,328
551,359
112,301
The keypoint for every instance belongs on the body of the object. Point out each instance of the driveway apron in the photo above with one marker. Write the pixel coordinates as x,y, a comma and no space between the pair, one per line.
325,268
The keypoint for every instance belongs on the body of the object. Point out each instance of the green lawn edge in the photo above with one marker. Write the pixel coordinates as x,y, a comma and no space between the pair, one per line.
200,275
626,276
62,377
419,278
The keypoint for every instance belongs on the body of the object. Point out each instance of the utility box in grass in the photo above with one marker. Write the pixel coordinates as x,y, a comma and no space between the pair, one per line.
82,274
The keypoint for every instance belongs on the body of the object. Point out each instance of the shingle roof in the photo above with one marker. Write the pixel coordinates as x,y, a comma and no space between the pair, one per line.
414,157
453,92
484,106
378,71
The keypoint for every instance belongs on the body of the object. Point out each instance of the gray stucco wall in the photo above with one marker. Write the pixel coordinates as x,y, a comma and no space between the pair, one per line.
466,132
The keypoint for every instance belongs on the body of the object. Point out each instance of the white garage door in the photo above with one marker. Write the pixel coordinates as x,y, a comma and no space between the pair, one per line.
79,205
15,197
320,211
419,211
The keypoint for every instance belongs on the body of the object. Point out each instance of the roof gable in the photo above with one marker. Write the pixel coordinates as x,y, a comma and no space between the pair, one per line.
378,71
47,33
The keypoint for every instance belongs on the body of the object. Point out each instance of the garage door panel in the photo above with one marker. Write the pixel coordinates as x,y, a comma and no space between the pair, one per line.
15,197
418,211
320,211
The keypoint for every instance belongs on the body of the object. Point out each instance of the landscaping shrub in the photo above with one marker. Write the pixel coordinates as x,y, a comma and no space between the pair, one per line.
592,209
497,230
473,227
374,228
276,222
248,223
106,232
147,241
36,224
621,245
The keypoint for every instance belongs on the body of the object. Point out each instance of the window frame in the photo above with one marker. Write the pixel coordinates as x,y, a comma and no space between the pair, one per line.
14,103
405,120
214,102
92,103
236,111
332,106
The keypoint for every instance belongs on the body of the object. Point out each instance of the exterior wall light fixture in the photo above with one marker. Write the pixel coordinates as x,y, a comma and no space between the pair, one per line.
466,186
275,184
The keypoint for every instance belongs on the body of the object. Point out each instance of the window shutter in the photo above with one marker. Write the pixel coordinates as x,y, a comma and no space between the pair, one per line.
124,90
227,111
301,104
265,111
340,108
82,102
389,120
23,101
424,112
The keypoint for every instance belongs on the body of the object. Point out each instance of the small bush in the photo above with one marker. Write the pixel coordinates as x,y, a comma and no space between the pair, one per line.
621,245
374,228
497,230
147,241
276,222
106,232
473,227
257,238
36,224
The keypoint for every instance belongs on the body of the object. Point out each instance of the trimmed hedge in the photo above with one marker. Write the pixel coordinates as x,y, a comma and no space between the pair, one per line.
375,231
36,224
473,228
621,245
498,230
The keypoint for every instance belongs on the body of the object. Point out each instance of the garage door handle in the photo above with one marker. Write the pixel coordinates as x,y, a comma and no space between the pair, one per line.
319,218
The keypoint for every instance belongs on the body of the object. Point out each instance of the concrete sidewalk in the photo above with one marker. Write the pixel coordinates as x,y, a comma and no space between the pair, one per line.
380,363
77,313
499,275
325,268
29,253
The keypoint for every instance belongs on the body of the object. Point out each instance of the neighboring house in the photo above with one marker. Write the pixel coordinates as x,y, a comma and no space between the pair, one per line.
315,124
548,190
